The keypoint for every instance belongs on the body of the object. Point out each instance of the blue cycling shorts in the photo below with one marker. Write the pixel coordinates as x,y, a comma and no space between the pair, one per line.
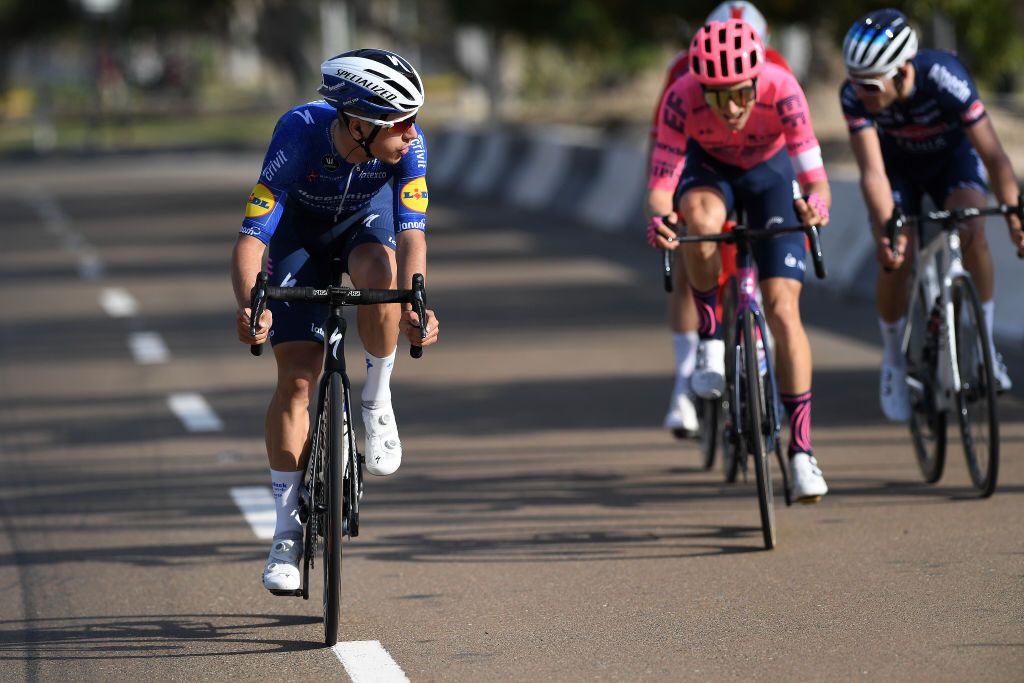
302,252
766,193
911,179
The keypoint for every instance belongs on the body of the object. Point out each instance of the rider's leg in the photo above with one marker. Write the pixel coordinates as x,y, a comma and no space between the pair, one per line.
704,210
372,265
683,322
792,358
287,438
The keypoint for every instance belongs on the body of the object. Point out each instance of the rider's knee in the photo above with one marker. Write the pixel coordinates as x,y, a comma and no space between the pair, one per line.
374,269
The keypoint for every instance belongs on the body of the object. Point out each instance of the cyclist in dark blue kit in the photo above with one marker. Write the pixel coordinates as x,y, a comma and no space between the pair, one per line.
344,178
917,126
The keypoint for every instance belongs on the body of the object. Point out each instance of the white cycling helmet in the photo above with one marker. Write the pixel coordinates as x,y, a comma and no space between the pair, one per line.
740,9
879,43
371,82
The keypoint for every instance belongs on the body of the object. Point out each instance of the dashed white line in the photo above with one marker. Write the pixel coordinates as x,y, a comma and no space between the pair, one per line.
366,661
118,303
257,506
90,267
194,412
148,348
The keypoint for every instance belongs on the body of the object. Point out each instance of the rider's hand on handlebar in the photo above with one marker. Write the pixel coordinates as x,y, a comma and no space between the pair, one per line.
811,210
884,253
661,236
242,325
1013,222
410,327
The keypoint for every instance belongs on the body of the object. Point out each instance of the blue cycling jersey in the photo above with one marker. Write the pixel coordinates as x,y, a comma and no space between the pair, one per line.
932,120
302,168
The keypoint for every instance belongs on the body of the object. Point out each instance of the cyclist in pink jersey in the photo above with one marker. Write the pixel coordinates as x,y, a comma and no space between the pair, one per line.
681,417
738,128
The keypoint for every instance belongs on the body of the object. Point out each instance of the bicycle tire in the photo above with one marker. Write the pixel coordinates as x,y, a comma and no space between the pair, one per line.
337,445
927,424
708,412
756,430
976,400
731,448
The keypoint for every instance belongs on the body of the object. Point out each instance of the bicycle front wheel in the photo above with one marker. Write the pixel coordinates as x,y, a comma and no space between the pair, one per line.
336,453
976,400
927,423
708,412
757,428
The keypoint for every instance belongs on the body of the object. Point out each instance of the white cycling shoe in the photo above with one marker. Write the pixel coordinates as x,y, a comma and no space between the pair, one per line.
808,483
281,572
1000,373
893,394
383,450
682,415
708,379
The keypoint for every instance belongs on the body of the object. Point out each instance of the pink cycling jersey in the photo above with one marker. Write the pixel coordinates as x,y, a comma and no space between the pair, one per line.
780,117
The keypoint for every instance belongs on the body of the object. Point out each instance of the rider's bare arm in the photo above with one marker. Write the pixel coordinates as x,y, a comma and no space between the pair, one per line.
412,258
1003,180
246,263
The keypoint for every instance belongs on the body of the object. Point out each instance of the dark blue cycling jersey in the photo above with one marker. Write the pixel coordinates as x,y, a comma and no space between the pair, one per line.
302,168
932,120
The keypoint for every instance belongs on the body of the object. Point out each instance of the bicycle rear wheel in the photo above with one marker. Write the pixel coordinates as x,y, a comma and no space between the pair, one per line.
336,452
756,429
976,400
927,423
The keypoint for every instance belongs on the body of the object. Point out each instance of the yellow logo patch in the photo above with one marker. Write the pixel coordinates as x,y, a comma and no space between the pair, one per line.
414,195
261,202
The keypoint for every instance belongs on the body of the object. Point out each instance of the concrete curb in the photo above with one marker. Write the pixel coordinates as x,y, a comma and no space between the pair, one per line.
602,184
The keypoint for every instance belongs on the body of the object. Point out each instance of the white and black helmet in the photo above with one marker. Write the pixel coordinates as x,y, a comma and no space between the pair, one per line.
371,82
879,43
740,9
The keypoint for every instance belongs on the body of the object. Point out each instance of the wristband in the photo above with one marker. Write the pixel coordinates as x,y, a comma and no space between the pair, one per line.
815,202
652,230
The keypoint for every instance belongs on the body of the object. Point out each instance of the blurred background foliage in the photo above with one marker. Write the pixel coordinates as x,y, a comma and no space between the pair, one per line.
107,72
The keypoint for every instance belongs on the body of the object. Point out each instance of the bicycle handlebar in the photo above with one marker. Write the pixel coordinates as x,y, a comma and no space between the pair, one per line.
947,218
741,233
338,296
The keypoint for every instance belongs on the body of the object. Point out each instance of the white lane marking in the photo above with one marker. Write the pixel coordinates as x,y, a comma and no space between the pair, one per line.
366,661
257,506
194,412
118,303
58,224
148,348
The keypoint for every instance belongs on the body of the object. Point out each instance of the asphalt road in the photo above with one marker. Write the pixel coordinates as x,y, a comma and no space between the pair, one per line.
543,526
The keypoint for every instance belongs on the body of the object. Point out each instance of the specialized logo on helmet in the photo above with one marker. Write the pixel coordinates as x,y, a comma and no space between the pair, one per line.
414,195
261,202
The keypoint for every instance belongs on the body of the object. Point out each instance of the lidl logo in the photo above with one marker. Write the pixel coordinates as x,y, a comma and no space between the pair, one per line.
261,202
414,195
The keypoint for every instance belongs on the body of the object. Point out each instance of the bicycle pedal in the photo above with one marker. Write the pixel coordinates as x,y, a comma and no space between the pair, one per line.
297,593
809,500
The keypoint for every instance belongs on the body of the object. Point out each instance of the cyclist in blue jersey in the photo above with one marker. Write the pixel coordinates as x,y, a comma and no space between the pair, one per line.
344,180
917,126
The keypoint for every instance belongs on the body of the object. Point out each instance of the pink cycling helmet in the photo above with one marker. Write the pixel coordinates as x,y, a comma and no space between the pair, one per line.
726,52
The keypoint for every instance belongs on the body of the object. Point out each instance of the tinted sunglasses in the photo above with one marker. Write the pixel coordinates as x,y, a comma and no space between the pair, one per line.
401,125
741,97
873,84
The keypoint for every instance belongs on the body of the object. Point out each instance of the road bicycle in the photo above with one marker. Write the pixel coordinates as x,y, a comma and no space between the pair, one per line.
332,485
750,411
948,350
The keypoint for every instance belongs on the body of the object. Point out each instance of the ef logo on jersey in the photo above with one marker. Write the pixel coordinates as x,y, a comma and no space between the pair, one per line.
261,202
414,195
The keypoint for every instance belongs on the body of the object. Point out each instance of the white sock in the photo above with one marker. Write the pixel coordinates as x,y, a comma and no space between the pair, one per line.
988,309
285,486
685,344
892,341
377,389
